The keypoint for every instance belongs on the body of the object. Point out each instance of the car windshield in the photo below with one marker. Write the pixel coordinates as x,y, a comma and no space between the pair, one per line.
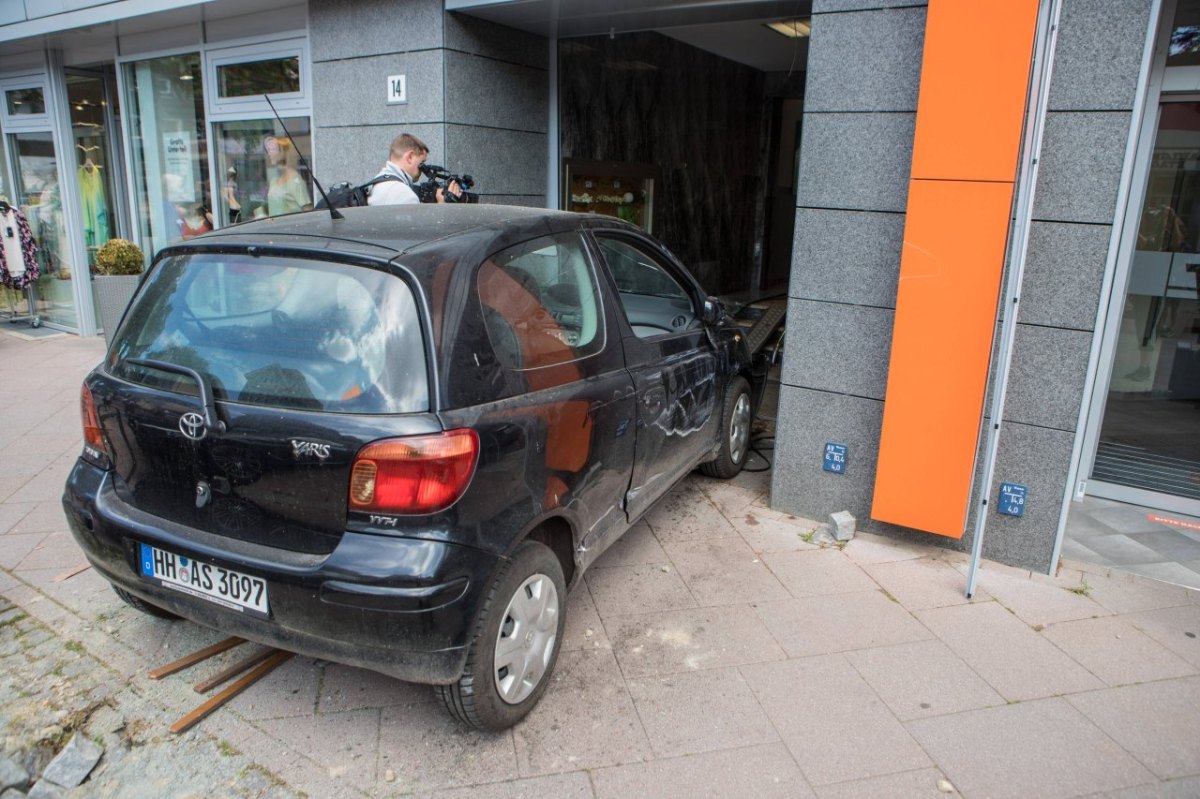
291,333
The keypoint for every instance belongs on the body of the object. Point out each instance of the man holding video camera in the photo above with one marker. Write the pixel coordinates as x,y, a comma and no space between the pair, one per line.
400,173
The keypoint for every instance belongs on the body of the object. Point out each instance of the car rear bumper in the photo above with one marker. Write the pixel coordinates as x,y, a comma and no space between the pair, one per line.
405,607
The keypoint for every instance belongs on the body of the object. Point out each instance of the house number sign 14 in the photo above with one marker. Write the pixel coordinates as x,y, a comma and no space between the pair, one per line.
397,89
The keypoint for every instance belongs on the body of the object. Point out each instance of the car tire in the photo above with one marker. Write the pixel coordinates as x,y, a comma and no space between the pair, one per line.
521,623
137,603
737,419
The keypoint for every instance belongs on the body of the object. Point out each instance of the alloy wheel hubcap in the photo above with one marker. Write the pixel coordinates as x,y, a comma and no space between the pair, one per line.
526,639
739,428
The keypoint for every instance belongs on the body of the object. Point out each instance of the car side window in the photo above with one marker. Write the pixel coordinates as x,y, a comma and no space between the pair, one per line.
540,303
654,301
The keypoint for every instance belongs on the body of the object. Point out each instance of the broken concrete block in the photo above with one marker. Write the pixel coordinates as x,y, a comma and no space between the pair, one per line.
842,524
46,790
12,774
74,763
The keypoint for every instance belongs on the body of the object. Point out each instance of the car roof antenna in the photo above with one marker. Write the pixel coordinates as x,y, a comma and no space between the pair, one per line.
334,214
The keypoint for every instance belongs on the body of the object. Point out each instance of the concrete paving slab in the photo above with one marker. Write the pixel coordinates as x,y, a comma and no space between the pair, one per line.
1156,722
820,572
1015,660
1175,573
1036,602
1122,592
575,785
702,711
54,551
583,629
636,547
427,750
685,514
762,772
634,589
923,583
724,572
346,744
586,719
1178,629
767,533
290,691
347,688
44,517
832,721
729,497
691,639
823,625
1186,788
1028,749
13,512
17,547
921,784
1122,549
1116,652
923,679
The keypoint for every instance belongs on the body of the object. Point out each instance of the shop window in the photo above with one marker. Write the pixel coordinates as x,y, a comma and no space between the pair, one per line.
26,102
256,78
261,168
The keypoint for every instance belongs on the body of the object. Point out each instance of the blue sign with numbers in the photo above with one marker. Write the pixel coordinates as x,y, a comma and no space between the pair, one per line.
835,457
1012,499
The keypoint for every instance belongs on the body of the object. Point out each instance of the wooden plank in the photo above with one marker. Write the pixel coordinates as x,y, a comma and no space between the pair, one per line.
67,575
191,660
204,686
191,719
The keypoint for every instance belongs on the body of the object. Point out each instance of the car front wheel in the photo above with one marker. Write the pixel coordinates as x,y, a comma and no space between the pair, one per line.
516,643
736,421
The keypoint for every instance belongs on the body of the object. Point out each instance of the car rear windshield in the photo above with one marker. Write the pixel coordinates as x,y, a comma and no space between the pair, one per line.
283,332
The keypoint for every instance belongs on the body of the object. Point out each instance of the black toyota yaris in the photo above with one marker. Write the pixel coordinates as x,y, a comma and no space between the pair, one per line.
397,439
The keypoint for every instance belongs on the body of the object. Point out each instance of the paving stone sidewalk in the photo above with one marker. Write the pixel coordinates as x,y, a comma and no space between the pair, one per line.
714,651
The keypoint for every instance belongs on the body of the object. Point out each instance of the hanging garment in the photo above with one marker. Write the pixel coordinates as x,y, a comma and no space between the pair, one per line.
95,209
18,253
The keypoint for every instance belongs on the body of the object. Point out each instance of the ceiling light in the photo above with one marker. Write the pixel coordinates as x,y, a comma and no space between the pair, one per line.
186,76
792,28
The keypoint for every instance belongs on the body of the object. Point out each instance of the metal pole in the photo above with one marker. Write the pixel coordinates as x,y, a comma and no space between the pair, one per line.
1035,123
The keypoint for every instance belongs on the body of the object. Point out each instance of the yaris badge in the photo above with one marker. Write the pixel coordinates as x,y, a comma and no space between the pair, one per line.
192,426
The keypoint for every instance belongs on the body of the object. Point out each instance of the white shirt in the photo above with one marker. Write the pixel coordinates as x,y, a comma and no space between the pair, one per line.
392,192
14,256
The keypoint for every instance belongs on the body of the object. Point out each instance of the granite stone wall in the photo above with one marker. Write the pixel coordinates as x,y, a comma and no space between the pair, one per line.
478,94
863,78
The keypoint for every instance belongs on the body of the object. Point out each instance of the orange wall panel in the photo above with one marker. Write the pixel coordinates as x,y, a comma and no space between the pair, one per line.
954,242
974,83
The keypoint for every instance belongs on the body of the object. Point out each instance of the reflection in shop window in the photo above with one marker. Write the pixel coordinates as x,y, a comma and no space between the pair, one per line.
262,170
256,78
25,102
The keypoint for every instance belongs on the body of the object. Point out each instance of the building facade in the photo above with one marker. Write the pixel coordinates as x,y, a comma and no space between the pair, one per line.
770,163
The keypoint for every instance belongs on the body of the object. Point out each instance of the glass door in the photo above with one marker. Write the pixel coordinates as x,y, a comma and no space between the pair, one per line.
1150,433
95,167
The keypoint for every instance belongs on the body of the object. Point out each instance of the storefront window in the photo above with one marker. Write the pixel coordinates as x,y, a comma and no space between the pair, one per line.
261,168
93,172
169,148
256,78
25,102
39,198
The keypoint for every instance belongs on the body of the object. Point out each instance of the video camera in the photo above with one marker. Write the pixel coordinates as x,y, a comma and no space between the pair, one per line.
439,178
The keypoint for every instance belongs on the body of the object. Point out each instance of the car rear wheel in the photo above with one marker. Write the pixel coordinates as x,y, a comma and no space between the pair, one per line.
736,421
137,603
516,643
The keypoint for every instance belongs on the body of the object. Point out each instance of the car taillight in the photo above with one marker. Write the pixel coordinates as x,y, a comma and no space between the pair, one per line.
415,474
91,422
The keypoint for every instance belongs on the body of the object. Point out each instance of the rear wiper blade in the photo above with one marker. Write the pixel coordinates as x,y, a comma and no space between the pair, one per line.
212,423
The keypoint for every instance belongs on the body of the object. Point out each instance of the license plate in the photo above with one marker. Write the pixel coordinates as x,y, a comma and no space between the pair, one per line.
225,587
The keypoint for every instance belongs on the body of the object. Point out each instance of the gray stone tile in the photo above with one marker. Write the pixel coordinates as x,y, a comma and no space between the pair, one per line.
766,771
867,548
1156,722
1075,549
1042,749
1096,64
1122,550
427,750
847,256
269,699
685,514
1116,652
820,572
346,744
1063,272
822,625
350,93
1036,602
688,640
501,161
1171,545
1178,629
13,512
632,589
481,37
724,571
828,6
1186,788
839,348
819,705
496,94
922,784
575,785
1014,660
583,629
54,551
856,161
637,546
730,498
1121,592
1175,573
1080,169
45,517
17,547
585,720
869,61
702,711
1126,519
1041,351
924,583
815,417
347,688
923,679
766,531
352,29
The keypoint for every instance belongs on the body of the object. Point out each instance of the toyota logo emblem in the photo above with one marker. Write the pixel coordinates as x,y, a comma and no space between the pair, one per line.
192,426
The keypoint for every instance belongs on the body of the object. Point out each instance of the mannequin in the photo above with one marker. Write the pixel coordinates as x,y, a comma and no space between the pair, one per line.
287,192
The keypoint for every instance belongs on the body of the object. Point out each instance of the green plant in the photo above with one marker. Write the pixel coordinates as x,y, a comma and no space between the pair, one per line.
119,257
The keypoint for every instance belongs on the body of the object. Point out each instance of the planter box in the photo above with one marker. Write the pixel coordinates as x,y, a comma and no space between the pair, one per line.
113,293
